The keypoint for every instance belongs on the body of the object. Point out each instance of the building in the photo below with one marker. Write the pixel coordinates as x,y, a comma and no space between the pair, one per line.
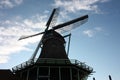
53,62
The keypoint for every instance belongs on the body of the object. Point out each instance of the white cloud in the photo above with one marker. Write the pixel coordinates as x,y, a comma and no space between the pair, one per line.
89,33
77,5
92,32
98,28
9,3
4,59
6,4
18,1
11,30
105,0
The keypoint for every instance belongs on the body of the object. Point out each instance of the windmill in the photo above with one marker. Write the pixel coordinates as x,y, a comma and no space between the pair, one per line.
53,33
53,62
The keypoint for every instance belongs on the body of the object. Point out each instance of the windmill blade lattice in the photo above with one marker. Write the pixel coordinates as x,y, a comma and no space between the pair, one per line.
68,26
24,37
53,18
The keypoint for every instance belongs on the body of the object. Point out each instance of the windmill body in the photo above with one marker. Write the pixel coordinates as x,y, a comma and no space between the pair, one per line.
53,46
53,62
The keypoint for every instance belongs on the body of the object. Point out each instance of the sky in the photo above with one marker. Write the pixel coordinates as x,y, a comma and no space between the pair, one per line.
97,42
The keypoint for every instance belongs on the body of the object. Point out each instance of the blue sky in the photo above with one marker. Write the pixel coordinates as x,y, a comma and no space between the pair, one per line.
96,42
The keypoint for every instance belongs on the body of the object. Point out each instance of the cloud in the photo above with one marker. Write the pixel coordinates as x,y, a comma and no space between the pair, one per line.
92,32
4,59
89,33
18,1
11,30
9,3
78,5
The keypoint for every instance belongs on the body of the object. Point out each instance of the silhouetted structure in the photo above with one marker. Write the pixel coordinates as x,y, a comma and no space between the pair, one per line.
93,78
53,62
6,74
110,77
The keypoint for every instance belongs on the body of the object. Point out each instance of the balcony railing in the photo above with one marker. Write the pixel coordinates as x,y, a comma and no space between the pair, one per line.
52,61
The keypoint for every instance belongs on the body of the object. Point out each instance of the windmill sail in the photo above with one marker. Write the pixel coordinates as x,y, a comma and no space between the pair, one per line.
51,22
27,36
67,26
53,18
71,24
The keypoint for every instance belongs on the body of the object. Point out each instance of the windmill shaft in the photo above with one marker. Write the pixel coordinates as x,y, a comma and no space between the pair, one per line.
70,22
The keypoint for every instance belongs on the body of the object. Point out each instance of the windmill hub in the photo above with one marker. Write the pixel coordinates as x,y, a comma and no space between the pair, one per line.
51,34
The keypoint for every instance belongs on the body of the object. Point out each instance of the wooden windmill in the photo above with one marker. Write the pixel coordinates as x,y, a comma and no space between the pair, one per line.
53,62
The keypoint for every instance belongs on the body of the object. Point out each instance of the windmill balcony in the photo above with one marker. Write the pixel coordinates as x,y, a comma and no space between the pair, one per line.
73,62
